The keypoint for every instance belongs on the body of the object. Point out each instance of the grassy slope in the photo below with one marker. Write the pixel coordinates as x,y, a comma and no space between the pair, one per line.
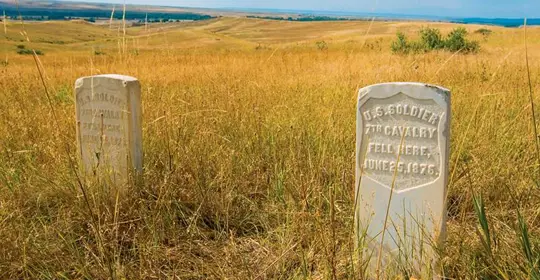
249,145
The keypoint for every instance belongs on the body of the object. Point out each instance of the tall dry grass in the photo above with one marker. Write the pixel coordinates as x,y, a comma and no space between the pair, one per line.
249,162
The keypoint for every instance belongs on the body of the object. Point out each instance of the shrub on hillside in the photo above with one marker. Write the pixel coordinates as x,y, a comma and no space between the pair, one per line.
456,42
484,31
401,45
322,45
432,39
21,49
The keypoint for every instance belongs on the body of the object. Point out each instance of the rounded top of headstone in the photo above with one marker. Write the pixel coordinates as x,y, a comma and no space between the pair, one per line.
415,88
412,84
113,76
105,78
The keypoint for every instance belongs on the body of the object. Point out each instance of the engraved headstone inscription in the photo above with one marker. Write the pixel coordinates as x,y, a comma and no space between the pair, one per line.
402,148
109,133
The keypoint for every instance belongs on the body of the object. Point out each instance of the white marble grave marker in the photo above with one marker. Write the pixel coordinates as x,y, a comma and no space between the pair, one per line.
109,134
387,114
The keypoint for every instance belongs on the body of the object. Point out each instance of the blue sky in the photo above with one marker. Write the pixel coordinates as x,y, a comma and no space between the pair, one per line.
456,8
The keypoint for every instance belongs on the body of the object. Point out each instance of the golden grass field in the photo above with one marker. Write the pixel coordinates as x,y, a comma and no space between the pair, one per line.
249,142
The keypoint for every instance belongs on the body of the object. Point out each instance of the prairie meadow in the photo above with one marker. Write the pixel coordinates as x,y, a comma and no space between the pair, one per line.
249,149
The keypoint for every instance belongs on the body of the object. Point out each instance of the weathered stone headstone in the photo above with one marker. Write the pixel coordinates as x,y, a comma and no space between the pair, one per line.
109,133
400,200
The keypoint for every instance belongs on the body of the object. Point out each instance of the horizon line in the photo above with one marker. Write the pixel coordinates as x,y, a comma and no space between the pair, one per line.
297,11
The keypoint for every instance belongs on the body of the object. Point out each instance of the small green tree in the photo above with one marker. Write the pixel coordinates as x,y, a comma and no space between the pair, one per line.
431,38
400,46
456,42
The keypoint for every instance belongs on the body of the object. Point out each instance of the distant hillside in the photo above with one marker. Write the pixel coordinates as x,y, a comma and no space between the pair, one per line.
61,10
53,10
303,15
